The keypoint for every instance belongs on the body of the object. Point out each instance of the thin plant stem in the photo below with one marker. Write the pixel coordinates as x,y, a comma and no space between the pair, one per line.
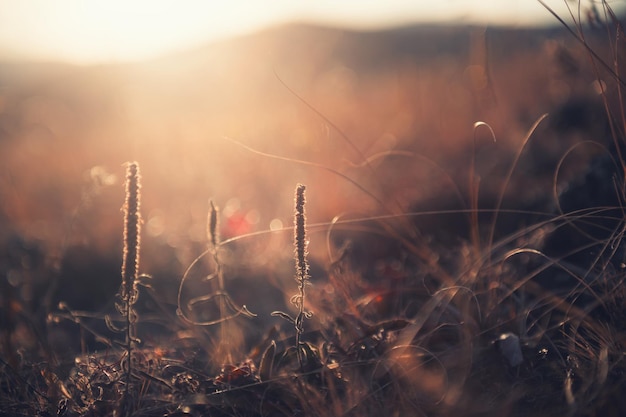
130,268
302,266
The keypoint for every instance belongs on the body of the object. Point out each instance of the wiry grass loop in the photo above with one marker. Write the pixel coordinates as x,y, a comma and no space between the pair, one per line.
228,309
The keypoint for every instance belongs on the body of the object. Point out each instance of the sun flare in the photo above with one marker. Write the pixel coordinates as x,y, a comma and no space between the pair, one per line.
110,31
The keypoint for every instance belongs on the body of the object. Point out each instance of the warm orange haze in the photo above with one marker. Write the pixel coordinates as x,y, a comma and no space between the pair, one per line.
87,32
331,98
457,251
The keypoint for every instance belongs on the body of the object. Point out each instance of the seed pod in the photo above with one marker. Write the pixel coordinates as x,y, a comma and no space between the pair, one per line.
132,228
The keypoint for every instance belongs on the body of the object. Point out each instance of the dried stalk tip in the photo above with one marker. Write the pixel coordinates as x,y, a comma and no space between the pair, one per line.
302,272
132,229
212,229
300,241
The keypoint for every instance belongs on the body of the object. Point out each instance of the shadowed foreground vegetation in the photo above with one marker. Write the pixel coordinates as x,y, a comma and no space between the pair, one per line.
456,230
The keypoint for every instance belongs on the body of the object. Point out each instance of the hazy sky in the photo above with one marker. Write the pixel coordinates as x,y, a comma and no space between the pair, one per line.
87,31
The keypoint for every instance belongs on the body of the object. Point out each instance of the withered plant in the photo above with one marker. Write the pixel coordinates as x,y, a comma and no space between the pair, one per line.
129,293
302,276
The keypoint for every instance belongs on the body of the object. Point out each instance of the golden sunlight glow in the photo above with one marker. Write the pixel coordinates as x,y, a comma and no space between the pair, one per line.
118,30
85,31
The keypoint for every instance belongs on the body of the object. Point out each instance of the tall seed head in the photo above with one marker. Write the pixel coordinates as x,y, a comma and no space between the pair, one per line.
212,225
300,241
132,229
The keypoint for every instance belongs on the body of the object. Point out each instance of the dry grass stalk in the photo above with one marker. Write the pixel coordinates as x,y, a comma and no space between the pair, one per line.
132,228
302,274
130,275
302,264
